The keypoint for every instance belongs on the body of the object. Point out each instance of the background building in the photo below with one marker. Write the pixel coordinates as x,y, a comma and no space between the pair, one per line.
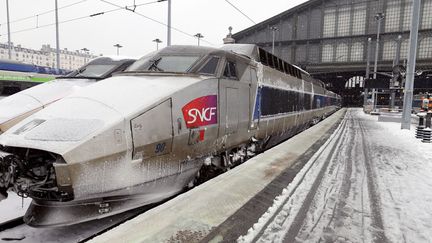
329,39
46,56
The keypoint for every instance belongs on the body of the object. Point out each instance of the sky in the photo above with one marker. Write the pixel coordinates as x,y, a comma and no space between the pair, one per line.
134,32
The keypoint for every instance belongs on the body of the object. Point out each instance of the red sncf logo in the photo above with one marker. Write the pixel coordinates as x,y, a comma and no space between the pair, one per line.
201,111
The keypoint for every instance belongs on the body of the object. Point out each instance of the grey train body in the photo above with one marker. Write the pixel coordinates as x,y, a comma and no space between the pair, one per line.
142,136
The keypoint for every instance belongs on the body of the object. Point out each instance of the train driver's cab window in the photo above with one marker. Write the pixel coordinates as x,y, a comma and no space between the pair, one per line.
230,70
179,64
210,66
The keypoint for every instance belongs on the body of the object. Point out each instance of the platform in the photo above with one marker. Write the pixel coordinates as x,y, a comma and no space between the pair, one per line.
208,210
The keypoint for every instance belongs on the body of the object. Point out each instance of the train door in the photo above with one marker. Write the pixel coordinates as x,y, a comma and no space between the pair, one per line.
152,132
234,101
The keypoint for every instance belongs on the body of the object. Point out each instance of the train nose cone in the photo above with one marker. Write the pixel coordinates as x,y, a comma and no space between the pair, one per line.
16,105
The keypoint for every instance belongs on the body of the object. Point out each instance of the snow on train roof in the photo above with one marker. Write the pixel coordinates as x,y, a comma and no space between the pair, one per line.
114,58
176,49
249,50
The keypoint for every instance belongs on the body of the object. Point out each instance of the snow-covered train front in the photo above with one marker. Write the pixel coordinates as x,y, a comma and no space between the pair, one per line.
18,106
143,135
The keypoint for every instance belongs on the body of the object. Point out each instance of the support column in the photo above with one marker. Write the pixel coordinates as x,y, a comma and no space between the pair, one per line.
409,83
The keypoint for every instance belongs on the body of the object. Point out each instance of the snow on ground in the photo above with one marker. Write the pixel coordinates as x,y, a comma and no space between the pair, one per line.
13,207
371,182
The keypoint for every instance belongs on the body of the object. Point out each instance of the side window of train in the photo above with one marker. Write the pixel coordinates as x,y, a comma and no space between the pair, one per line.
210,67
230,70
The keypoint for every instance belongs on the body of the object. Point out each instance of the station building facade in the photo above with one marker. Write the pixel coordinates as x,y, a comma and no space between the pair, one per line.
329,38
46,56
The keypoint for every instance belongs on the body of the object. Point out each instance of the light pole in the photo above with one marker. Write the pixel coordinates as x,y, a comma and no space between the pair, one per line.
118,46
273,29
199,36
169,24
366,90
57,36
378,17
412,54
398,50
157,40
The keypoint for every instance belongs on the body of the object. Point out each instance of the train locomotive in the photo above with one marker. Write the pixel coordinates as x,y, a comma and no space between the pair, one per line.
145,134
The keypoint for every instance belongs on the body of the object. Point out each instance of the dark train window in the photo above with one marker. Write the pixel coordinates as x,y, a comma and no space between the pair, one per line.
230,70
210,66
277,101
281,66
263,57
276,62
286,67
270,60
307,101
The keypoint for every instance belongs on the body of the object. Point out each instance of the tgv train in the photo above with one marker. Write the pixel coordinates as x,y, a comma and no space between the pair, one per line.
16,76
14,66
144,135
18,106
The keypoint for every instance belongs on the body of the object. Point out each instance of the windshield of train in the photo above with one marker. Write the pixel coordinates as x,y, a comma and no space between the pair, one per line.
93,71
180,64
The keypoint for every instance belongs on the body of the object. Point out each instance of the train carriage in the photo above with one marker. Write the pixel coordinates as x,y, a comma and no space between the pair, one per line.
16,76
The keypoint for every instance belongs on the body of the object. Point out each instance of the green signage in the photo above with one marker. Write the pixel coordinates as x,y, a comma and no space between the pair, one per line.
25,78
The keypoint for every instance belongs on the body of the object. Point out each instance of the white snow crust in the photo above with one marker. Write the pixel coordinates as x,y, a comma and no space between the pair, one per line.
13,206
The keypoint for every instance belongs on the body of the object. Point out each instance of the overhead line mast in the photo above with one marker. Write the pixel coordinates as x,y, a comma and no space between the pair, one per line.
57,36
9,36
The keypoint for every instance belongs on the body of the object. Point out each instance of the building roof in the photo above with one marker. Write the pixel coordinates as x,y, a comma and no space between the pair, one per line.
276,18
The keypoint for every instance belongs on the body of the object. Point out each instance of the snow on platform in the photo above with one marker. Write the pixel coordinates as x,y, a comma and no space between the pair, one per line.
13,207
193,215
371,182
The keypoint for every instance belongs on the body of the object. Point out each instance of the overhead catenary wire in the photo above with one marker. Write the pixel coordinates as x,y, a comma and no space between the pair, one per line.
43,13
64,21
79,18
236,8
129,8
156,21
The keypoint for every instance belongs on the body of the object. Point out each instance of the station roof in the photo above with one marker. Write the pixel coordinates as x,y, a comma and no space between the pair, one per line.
276,17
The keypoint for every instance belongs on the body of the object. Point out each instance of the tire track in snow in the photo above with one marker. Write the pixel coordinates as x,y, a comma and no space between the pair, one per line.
362,188
377,221
345,186
342,180
298,222
257,231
